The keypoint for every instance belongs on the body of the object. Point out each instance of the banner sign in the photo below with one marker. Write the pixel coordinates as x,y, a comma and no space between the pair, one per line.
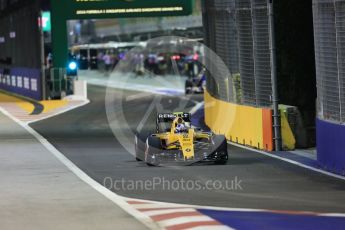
79,9
46,22
22,81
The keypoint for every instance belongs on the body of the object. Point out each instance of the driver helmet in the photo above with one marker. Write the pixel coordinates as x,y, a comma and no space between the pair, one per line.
180,128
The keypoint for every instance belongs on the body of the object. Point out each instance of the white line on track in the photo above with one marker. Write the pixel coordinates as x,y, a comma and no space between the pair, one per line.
184,220
289,161
199,105
157,204
168,211
119,201
211,227
137,87
142,216
61,112
138,96
196,108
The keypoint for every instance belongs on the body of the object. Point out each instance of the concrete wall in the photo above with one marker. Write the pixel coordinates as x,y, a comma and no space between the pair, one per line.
20,59
20,37
331,146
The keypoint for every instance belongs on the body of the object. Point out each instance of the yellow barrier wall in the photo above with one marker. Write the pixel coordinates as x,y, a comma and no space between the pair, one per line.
289,141
239,123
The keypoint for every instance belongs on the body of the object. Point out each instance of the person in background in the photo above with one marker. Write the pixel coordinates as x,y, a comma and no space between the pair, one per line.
107,63
100,60
49,61
114,60
151,63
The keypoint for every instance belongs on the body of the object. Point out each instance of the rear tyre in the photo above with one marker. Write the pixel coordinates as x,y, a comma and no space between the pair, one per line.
221,147
221,162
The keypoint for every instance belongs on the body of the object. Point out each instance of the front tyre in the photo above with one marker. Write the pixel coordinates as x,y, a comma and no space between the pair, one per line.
139,152
153,148
140,144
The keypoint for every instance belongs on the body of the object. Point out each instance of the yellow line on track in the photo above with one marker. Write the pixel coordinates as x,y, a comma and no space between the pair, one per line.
28,107
24,105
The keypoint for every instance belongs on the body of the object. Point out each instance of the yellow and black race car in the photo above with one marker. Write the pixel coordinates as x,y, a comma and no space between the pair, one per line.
176,141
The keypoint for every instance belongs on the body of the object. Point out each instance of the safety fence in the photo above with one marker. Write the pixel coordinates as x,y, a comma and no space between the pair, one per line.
238,105
221,37
329,35
329,30
238,31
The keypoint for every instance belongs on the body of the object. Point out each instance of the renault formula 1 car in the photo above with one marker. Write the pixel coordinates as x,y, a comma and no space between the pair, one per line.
175,141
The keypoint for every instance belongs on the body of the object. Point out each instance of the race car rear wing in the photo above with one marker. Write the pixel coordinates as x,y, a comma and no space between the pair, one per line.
163,118
169,117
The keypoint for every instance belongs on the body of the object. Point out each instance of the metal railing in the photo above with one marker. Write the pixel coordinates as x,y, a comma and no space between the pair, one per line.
58,84
329,34
238,31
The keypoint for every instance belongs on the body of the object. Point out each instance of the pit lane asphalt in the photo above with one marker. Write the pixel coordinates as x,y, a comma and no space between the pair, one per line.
83,135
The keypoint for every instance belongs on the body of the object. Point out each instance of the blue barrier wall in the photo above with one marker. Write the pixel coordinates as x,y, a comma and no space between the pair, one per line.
23,81
331,146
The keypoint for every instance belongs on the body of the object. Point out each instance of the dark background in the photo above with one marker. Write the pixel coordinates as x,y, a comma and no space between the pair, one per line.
296,57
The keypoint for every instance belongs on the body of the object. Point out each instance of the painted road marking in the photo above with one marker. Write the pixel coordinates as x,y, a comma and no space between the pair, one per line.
196,224
186,220
274,220
210,227
196,108
139,208
289,161
24,110
163,207
84,177
176,206
26,117
153,205
135,87
168,211
53,105
138,96
70,106
279,157
175,216
170,216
